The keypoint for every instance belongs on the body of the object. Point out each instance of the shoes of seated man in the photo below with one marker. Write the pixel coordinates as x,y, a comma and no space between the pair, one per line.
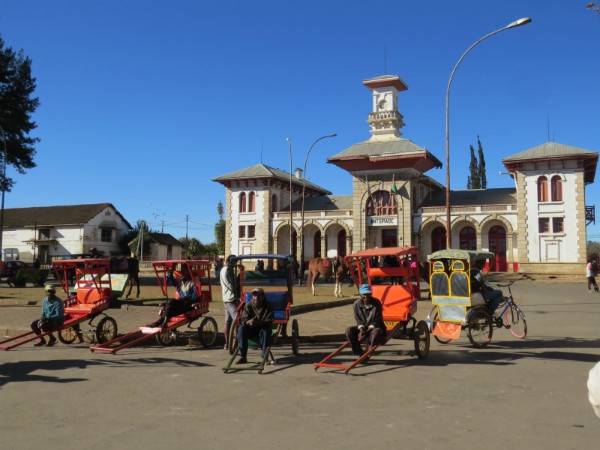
40,343
242,360
51,342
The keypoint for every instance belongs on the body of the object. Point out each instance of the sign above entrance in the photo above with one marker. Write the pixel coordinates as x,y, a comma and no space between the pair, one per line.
382,221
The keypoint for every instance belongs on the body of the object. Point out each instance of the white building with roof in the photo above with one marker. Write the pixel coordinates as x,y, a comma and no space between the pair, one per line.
537,226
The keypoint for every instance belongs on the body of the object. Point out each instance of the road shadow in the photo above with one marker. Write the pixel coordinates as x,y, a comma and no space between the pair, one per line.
25,371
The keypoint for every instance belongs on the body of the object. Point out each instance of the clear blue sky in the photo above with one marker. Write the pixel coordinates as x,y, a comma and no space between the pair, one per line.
144,102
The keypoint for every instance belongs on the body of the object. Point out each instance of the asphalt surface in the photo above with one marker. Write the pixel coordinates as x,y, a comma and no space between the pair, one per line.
515,393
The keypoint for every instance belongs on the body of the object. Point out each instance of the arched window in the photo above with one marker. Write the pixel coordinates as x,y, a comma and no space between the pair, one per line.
542,189
438,239
243,202
556,188
252,202
274,203
468,239
381,203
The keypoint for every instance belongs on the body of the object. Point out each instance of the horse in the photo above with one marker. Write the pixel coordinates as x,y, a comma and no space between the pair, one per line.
129,266
334,267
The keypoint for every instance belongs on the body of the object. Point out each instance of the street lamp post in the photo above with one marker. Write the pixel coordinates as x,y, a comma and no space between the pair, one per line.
516,23
290,142
302,214
3,190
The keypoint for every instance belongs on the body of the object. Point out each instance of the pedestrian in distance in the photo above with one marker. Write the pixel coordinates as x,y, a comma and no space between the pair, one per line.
590,272
53,316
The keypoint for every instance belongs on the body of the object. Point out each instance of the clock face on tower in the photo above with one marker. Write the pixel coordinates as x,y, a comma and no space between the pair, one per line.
382,103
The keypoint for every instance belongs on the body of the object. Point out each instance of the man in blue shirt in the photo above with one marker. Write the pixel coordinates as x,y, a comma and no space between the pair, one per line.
53,315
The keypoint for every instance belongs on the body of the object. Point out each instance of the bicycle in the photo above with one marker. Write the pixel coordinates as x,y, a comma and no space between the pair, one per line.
510,315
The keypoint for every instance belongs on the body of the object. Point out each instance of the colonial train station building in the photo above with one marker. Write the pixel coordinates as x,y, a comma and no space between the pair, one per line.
537,226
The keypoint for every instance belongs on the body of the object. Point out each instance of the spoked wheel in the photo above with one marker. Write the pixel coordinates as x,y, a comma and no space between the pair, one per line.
166,338
106,330
295,338
207,331
232,338
67,335
515,321
436,319
479,327
422,339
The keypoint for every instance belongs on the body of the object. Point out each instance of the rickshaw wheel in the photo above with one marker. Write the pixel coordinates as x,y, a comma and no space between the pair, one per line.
106,330
422,339
516,323
67,335
207,331
479,327
295,338
232,338
441,340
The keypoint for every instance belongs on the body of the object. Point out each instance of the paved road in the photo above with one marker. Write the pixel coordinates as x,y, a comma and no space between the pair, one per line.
514,394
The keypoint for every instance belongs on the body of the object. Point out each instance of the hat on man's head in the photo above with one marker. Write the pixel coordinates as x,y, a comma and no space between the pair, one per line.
364,289
258,290
50,287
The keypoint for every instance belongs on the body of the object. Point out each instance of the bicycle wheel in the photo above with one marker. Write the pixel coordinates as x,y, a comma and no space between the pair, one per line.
479,327
106,330
436,318
166,338
514,319
208,331
67,335
421,339
232,338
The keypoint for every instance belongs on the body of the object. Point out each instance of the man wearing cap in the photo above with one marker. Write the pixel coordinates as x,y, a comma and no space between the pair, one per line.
256,321
369,320
53,314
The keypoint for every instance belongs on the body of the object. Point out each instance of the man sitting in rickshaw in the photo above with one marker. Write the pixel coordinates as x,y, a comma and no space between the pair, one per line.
256,322
186,297
369,321
492,296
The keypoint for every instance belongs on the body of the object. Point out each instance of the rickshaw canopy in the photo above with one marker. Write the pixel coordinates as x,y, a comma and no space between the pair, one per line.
384,251
468,255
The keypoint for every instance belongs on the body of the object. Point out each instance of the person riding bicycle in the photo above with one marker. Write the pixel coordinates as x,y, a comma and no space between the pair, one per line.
493,297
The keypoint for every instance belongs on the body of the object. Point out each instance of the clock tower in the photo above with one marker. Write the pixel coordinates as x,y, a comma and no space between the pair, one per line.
385,120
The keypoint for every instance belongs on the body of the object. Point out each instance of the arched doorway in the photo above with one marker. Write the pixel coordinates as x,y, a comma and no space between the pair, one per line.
497,240
317,245
467,238
438,239
341,243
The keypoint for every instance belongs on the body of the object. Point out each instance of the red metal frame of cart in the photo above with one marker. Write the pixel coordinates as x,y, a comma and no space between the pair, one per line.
396,284
166,272
93,296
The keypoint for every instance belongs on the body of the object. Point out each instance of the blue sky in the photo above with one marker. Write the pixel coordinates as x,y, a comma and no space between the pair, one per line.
144,102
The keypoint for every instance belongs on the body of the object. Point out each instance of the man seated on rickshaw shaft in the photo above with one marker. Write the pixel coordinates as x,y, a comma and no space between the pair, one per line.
369,321
186,297
492,296
53,315
256,322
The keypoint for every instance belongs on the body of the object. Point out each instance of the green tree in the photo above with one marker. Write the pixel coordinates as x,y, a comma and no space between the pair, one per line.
593,249
16,108
141,234
481,168
220,231
593,6
194,248
473,179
